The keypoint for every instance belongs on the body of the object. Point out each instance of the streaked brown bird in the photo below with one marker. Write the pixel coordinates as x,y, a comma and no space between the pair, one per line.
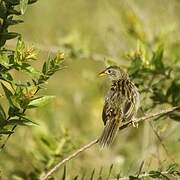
121,103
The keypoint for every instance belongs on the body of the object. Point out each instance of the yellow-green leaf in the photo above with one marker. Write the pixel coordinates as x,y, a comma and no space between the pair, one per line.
41,101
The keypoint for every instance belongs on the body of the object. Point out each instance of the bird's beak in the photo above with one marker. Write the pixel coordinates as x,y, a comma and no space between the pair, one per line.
102,74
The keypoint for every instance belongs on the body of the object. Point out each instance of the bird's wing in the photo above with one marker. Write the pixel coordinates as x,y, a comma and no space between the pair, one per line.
105,112
112,117
128,110
109,112
109,106
130,106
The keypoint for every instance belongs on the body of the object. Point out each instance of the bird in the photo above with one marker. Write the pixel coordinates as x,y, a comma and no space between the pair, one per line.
121,104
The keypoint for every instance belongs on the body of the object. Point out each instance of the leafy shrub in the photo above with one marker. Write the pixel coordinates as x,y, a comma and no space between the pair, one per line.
20,96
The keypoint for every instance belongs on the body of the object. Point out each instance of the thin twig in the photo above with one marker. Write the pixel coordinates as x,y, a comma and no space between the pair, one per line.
44,176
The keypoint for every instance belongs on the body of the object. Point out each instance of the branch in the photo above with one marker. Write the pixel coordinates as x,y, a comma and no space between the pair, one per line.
44,176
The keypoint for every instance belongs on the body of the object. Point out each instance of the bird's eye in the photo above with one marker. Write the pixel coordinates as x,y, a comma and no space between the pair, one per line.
109,71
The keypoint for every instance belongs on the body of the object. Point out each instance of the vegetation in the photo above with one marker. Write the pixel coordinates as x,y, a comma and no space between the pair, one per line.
46,114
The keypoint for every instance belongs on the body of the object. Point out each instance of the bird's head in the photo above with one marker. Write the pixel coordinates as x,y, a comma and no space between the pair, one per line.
114,73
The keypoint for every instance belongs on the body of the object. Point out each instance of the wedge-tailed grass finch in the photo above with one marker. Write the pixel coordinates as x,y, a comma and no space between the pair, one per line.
121,103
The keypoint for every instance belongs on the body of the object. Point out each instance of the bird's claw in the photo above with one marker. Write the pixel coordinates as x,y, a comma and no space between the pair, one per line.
135,124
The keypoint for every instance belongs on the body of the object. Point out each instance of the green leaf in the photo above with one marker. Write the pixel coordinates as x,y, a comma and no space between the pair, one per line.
4,60
8,94
30,70
23,6
21,121
172,168
7,77
6,132
13,111
45,141
133,178
41,101
32,1
8,35
45,68
135,66
154,174
17,177
2,113
2,42
157,58
174,91
13,11
11,22
3,9
13,2
20,46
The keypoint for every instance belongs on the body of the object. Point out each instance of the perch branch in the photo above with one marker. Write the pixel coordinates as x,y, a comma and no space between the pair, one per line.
44,176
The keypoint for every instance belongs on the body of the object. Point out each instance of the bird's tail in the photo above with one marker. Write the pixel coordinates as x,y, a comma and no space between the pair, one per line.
109,133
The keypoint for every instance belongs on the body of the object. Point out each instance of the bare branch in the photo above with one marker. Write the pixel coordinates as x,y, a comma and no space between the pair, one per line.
44,176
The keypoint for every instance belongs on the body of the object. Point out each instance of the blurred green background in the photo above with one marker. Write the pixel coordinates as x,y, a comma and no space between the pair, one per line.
89,32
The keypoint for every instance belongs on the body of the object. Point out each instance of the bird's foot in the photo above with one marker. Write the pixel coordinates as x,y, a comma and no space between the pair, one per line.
135,123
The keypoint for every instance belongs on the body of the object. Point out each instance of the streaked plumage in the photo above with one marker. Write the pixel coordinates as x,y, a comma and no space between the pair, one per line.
121,103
